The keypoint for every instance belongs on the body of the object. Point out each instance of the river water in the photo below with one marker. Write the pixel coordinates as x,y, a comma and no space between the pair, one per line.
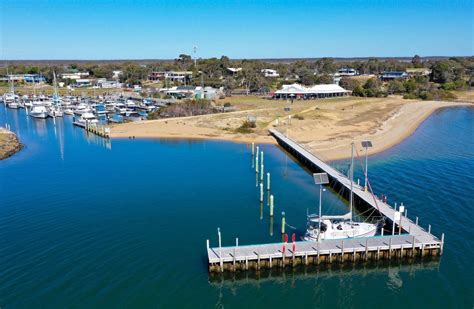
86,222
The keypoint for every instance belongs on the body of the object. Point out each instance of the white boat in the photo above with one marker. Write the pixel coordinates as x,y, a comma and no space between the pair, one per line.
82,108
39,111
85,119
55,111
13,104
338,227
68,111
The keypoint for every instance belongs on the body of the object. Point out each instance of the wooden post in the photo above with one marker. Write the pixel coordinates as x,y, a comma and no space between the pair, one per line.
342,251
413,247
429,228
354,255
330,256
366,249
261,192
233,260
246,263
306,258
318,256
258,261
271,262
236,241
261,174
253,149
207,244
416,221
378,253
261,158
390,248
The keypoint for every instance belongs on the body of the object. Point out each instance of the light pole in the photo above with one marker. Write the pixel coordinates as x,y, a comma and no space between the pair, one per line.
366,145
320,179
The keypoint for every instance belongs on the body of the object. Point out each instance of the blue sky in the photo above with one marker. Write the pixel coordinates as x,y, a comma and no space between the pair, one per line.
88,29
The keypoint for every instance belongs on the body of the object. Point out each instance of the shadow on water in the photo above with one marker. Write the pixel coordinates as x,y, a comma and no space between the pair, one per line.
326,271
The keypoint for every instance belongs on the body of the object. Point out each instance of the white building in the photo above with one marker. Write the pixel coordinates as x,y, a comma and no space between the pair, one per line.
74,75
116,74
314,92
109,84
83,82
270,73
234,70
347,72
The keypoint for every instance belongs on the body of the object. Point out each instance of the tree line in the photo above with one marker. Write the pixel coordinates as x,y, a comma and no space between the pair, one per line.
447,74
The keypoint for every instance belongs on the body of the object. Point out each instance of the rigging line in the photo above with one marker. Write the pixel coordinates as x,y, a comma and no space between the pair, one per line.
294,228
368,182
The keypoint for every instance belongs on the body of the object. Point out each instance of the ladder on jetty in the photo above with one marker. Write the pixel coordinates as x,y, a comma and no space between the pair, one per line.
414,242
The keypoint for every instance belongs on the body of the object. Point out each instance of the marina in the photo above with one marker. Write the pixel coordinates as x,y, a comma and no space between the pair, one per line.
118,228
407,240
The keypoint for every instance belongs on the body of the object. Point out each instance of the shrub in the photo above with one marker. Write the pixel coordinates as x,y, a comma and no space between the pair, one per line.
246,127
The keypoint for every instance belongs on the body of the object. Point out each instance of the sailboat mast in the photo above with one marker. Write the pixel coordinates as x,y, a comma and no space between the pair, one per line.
352,178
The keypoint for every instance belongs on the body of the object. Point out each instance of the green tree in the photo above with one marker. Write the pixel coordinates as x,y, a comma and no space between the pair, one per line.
349,83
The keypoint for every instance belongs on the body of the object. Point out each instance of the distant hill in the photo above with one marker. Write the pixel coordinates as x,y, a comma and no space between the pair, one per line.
149,61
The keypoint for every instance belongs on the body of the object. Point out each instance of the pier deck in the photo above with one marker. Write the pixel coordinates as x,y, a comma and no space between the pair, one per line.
406,224
415,241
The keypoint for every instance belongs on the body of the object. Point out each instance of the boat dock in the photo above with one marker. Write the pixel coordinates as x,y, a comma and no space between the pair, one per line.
409,241
98,129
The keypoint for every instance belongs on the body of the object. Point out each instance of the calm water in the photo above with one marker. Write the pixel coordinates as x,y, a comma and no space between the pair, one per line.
85,223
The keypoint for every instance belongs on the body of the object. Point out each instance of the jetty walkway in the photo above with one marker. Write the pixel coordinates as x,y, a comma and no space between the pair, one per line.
410,241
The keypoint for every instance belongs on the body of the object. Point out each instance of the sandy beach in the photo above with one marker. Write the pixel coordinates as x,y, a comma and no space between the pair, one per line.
326,127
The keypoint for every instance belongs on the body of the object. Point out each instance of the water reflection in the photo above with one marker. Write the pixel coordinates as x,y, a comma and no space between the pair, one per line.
392,270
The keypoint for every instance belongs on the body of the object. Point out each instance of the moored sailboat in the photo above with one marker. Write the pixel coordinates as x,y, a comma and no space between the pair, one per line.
338,227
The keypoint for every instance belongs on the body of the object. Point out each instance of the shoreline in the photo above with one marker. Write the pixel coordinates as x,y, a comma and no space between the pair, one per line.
9,144
409,132
400,123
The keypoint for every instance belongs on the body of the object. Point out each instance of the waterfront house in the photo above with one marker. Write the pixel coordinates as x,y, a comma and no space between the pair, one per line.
83,82
178,76
412,72
298,91
102,83
74,75
34,78
270,73
116,74
234,70
390,75
347,72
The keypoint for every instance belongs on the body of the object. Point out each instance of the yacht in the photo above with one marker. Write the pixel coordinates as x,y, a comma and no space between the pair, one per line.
85,119
82,108
55,111
39,111
338,227
68,111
